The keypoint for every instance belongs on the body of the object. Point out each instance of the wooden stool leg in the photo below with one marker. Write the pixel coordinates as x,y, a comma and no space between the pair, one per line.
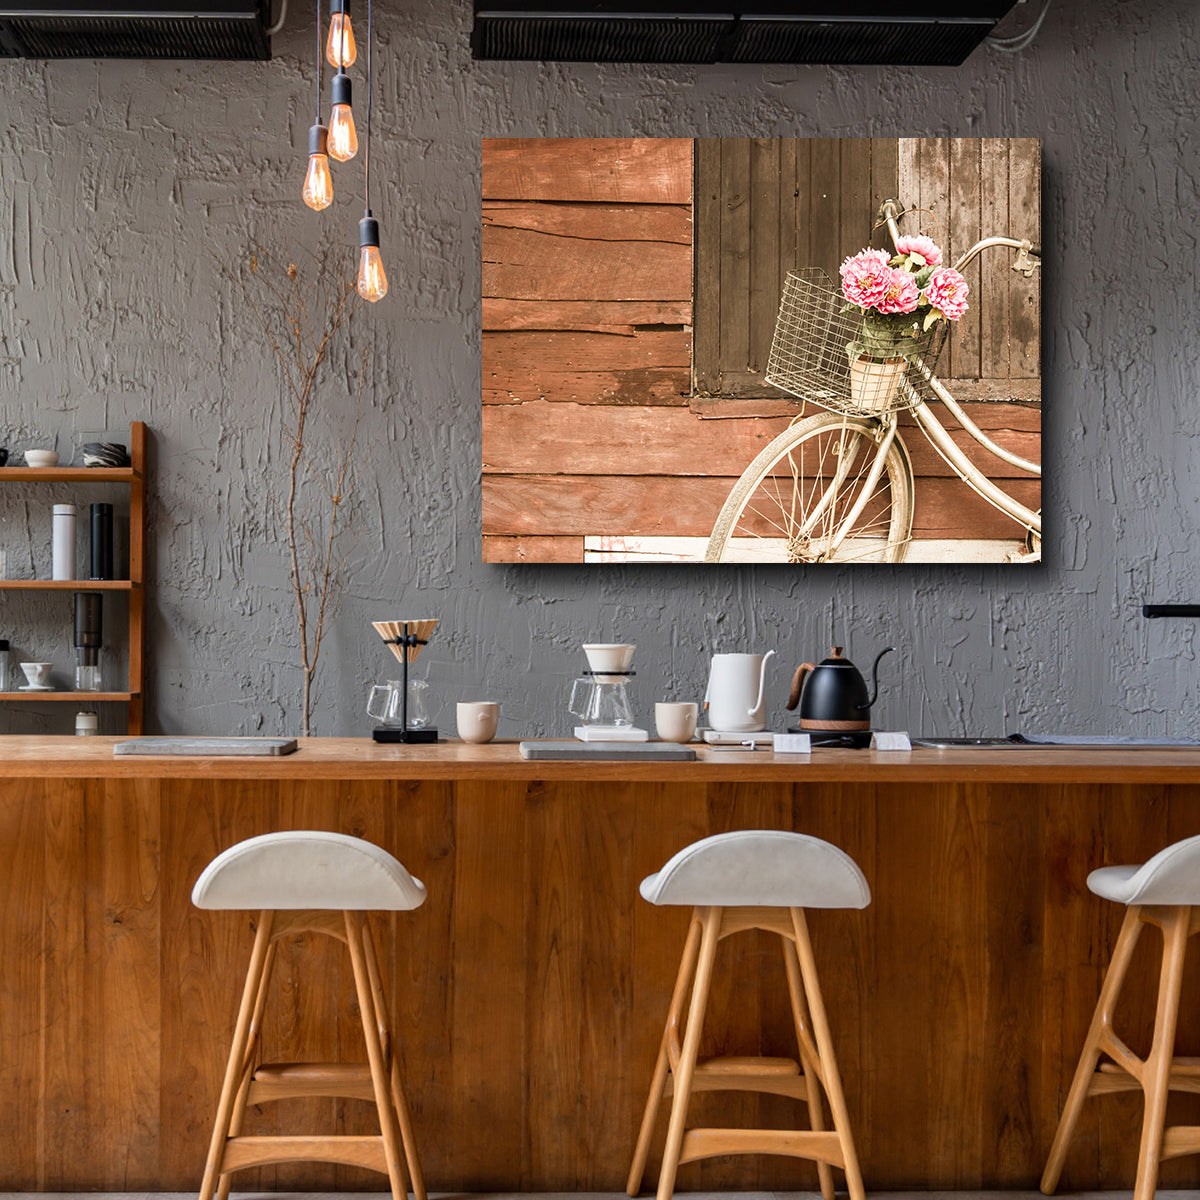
829,1069
393,1154
1110,991
1156,1073
237,1055
391,1055
687,965
816,1118
711,930
239,1106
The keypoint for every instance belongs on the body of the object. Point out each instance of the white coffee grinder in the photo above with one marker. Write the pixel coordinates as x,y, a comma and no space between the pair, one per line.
600,696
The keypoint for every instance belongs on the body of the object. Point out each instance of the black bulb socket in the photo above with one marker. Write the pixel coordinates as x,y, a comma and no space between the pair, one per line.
318,139
340,90
339,6
368,232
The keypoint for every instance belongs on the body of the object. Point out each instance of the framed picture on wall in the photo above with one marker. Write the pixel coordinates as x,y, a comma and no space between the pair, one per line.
761,350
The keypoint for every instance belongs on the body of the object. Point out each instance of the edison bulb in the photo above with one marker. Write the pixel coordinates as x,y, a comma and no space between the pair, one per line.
343,137
372,279
340,50
318,183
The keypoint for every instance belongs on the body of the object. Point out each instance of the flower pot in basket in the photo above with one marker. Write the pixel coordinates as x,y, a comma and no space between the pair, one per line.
873,384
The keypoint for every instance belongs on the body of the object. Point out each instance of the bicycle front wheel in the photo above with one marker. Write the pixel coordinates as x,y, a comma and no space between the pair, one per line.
817,493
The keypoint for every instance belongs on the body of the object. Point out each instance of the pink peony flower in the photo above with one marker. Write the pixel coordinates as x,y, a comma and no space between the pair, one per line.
947,292
862,258
865,277
918,243
900,293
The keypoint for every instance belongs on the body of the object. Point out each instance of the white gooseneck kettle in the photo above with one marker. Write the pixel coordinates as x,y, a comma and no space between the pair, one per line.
734,698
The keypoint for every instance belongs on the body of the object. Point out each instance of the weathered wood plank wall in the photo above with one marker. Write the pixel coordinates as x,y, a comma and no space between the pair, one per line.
977,188
587,303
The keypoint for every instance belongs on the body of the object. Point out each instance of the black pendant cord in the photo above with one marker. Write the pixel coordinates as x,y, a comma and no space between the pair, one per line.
319,57
370,91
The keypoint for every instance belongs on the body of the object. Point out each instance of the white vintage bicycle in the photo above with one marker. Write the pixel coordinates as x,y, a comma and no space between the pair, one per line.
838,487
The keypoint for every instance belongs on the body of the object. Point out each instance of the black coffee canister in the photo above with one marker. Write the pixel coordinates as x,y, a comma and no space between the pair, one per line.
102,541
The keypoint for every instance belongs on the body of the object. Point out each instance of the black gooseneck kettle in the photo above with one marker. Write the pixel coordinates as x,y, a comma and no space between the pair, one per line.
833,694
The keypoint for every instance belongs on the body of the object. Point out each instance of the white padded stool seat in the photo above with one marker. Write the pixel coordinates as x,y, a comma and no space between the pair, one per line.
1172,876
307,869
760,868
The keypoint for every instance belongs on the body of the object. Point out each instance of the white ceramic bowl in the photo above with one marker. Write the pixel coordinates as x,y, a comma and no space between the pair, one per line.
41,458
38,673
609,656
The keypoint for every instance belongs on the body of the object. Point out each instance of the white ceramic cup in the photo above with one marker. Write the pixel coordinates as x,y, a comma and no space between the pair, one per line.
477,720
38,674
675,721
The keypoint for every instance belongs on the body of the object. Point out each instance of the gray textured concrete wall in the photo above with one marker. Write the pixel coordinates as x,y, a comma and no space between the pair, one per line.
119,180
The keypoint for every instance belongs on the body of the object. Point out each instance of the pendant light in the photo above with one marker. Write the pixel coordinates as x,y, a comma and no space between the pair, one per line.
343,137
318,183
340,50
372,279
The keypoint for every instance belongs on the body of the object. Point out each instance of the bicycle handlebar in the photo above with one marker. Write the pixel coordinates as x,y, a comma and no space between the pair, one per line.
890,212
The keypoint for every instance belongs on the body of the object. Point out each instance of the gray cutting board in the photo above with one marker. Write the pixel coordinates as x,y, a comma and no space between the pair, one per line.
206,747
609,751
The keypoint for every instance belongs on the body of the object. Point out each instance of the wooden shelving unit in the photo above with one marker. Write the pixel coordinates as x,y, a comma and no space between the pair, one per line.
134,476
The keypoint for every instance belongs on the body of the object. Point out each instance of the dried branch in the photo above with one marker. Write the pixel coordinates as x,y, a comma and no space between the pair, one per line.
300,321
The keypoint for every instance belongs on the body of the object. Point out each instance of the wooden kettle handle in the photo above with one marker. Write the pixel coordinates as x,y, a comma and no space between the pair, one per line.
798,682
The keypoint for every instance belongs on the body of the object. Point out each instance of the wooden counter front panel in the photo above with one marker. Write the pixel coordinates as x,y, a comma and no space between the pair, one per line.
531,987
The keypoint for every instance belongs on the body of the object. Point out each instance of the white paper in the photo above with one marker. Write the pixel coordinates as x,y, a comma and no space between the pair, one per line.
890,741
793,743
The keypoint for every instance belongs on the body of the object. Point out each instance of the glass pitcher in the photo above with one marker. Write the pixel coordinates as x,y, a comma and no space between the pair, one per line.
596,702
384,703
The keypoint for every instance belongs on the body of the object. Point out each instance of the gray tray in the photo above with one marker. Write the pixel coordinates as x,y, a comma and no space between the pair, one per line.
610,751
206,747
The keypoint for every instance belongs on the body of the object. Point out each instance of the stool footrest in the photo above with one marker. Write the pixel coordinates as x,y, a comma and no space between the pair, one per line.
795,1143
351,1151
776,1076
1179,1140
284,1081
748,1065
1111,1078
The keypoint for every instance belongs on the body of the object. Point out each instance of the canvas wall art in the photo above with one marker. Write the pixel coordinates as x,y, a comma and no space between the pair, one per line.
795,351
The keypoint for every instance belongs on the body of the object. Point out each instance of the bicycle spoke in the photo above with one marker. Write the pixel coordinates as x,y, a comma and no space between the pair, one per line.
828,496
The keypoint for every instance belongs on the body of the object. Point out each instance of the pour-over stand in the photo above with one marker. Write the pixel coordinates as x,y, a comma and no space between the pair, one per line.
405,639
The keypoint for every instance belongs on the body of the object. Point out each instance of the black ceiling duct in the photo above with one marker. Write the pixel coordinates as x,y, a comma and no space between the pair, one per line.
230,29
878,32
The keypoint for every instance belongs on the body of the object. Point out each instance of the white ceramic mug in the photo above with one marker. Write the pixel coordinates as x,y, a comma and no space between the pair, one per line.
735,692
477,720
675,721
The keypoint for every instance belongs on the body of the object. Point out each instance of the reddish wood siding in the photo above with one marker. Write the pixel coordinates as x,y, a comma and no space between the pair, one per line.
587,308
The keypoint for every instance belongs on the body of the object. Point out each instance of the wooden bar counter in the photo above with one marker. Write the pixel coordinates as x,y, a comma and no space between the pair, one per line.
531,987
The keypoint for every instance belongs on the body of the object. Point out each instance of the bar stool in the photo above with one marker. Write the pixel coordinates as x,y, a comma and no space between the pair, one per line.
311,882
1165,892
752,879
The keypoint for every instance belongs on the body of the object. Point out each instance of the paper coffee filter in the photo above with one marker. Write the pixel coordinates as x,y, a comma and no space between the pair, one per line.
388,630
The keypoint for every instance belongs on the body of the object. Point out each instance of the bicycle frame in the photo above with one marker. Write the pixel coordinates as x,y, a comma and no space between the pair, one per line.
935,431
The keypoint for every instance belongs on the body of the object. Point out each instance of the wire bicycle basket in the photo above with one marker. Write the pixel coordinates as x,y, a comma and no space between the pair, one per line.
811,357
